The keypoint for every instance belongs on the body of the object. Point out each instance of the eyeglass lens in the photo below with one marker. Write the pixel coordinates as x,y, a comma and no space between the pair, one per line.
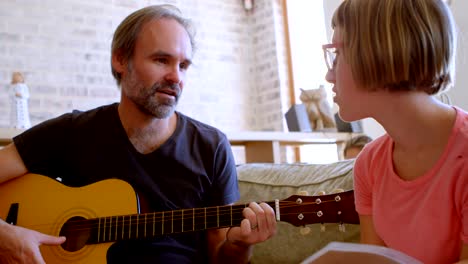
330,57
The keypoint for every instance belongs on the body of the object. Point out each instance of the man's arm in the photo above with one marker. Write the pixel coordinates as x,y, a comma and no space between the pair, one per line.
17,244
234,245
11,163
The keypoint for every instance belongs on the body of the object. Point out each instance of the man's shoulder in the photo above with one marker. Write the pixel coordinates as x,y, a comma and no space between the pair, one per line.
94,113
199,127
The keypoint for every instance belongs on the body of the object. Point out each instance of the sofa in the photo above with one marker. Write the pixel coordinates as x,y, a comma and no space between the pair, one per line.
267,182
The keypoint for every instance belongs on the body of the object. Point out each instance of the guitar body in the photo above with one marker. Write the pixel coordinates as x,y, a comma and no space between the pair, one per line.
45,205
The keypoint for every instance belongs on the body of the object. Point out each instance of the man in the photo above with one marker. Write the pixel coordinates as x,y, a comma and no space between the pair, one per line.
172,161
355,145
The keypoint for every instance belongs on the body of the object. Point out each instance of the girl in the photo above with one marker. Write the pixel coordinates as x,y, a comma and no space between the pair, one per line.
387,59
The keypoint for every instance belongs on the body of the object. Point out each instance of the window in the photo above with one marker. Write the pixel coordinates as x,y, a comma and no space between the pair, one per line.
307,34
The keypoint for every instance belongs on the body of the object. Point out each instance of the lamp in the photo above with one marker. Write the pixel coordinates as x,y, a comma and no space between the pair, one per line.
248,4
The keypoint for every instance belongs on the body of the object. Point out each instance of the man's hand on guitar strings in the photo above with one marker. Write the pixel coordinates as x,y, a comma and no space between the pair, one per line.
26,249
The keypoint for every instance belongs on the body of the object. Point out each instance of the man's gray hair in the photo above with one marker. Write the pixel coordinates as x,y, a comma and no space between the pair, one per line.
126,34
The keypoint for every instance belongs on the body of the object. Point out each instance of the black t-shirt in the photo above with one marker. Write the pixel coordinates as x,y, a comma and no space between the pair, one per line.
193,168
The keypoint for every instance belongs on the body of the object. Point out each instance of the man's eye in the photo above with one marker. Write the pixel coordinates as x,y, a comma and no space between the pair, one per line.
161,60
184,66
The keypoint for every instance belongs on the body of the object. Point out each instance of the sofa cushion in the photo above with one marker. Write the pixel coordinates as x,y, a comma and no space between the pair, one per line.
266,182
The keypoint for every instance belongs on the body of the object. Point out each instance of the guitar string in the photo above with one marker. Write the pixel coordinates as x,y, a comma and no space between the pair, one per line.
179,212
85,224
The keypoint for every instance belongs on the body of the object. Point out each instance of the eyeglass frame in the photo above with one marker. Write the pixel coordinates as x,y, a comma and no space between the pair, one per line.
329,55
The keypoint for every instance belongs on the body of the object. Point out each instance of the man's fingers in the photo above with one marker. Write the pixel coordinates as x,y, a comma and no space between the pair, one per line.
250,213
38,259
44,239
270,219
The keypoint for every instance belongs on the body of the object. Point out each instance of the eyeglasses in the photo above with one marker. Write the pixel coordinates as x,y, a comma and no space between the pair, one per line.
329,52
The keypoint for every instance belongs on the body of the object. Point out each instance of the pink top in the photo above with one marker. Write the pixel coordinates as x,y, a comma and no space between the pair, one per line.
426,218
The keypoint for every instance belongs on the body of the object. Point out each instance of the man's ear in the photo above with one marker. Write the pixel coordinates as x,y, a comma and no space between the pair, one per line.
118,63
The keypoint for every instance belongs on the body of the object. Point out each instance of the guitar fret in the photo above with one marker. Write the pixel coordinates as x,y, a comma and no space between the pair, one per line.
130,227
211,217
110,228
162,223
172,222
231,214
123,226
116,226
217,216
205,217
154,223
99,230
182,225
193,219
145,226
104,231
137,224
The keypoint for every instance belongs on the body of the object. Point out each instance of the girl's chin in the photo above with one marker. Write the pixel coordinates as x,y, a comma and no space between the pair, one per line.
345,117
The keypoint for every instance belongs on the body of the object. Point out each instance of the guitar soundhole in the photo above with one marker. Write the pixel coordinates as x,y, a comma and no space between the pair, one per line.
77,232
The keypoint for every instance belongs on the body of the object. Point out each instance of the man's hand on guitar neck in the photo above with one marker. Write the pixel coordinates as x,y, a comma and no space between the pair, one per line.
21,245
259,225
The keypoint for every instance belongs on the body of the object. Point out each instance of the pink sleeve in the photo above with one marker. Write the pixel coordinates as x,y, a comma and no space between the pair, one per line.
363,183
462,196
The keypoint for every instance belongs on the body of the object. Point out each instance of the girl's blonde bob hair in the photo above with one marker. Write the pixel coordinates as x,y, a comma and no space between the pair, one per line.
398,44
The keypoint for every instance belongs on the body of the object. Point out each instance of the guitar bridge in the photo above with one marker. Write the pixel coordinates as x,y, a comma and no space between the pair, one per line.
12,217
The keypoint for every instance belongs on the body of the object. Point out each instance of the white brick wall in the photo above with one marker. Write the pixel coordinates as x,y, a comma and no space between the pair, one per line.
238,81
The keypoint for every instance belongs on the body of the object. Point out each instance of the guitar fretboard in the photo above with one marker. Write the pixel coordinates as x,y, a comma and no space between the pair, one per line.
150,225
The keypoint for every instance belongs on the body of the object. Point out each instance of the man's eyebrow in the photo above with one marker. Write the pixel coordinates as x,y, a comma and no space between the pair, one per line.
169,55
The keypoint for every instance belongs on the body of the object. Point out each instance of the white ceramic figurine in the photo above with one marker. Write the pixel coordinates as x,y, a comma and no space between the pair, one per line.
19,95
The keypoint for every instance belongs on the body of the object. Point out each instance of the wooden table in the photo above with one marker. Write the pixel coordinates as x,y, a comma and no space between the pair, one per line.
6,135
265,146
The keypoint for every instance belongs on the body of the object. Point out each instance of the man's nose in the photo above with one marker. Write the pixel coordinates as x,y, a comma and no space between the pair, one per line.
174,75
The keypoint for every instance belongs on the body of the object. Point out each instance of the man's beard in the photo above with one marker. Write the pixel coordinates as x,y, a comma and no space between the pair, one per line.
145,97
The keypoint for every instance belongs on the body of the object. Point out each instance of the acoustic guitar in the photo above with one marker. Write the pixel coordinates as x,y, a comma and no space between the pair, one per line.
94,216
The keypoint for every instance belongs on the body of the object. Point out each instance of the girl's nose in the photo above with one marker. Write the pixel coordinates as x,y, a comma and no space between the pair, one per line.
330,76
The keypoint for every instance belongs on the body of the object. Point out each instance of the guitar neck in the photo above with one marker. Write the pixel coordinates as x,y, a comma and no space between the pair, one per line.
150,225
296,210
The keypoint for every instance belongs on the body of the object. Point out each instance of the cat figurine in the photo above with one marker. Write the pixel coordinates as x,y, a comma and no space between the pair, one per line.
318,110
